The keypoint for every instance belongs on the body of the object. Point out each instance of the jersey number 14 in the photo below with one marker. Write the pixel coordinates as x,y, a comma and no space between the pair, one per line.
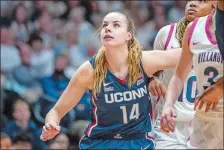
133,115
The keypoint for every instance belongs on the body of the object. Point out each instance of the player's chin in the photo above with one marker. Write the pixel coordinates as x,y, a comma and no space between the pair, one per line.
190,17
109,44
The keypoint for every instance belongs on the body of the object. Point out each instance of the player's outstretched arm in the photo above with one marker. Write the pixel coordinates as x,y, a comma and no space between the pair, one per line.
156,60
80,82
211,96
176,84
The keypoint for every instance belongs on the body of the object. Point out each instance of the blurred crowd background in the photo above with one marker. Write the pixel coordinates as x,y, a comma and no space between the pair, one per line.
42,44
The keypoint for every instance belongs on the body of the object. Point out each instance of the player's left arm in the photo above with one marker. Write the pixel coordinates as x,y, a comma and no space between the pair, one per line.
211,97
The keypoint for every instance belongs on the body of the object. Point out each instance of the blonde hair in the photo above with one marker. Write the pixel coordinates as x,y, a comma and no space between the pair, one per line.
134,56
181,27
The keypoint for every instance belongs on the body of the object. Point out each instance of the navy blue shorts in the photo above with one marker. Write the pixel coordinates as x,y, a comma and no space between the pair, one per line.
140,143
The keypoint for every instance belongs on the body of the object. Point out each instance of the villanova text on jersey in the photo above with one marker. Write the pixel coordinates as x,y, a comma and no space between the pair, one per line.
210,57
120,110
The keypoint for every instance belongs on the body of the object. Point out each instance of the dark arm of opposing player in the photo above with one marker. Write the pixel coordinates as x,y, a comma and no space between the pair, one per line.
211,96
219,23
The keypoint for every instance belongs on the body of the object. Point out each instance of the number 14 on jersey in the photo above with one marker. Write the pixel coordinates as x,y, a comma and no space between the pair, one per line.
134,114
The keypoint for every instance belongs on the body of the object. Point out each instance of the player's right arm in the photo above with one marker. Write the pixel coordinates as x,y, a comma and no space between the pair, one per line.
80,82
176,84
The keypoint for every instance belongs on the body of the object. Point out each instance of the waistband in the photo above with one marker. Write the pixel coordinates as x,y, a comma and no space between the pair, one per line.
120,136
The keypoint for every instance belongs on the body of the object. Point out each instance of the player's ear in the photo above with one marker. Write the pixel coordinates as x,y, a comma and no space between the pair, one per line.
129,36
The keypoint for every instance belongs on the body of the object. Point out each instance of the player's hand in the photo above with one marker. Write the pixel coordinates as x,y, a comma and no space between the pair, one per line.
167,123
157,88
49,131
210,98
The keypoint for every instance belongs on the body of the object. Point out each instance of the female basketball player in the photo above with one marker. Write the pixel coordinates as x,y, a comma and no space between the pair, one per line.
168,38
117,78
201,50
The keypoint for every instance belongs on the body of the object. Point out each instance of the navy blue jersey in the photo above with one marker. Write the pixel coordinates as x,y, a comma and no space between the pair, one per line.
120,111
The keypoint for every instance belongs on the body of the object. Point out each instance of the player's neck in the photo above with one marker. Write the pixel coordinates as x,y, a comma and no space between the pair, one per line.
117,59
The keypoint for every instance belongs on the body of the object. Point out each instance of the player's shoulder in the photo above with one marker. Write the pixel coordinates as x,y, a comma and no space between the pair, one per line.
162,37
86,68
195,24
164,33
198,21
203,17
85,71
166,29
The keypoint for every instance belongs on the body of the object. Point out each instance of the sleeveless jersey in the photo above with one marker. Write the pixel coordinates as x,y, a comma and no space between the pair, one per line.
184,106
119,111
207,62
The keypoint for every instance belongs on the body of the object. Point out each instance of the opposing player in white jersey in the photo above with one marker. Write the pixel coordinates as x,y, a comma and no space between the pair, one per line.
168,38
200,50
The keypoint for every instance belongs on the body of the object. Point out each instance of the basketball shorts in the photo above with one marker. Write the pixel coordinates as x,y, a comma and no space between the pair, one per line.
173,140
140,143
206,134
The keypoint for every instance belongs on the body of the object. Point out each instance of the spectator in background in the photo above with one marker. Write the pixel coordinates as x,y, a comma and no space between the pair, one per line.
21,25
96,18
41,59
57,8
8,51
6,142
106,6
55,84
144,27
61,43
40,6
2,96
25,76
176,12
160,21
85,29
22,122
46,30
77,54
70,6
3,118
6,8
22,141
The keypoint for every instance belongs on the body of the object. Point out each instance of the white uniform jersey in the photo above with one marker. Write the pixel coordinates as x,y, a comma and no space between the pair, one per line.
184,106
207,62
